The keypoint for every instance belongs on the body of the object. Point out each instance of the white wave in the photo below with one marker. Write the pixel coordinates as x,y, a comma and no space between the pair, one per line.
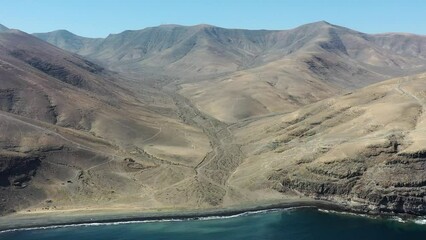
94,224
248,213
421,221
324,210
345,213
398,219
239,214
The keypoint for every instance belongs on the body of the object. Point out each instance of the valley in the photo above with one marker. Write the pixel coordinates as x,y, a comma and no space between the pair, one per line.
202,117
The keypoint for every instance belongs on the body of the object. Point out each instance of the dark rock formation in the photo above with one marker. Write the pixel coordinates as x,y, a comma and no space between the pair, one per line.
59,72
396,184
17,170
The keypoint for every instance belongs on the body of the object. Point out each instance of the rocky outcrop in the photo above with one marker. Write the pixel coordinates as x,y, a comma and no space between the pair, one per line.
87,65
378,181
17,170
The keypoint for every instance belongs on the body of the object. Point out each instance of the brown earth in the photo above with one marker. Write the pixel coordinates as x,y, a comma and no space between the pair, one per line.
205,117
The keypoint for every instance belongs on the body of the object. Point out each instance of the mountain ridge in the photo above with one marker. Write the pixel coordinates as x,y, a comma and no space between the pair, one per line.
3,28
207,117
187,37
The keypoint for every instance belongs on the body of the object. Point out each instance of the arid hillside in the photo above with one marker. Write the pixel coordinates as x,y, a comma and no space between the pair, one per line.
365,149
175,117
233,74
74,135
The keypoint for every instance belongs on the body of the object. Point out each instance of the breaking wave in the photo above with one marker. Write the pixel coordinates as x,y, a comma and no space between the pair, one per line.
419,220
95,224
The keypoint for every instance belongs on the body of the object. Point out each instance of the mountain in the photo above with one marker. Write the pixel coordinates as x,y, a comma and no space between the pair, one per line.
329,60
68,41
3,28
206,49
206,117
365,149
74,133
266,71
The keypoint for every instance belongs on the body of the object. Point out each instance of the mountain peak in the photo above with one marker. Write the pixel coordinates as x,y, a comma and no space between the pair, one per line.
170,25
203,25
321,23
62,32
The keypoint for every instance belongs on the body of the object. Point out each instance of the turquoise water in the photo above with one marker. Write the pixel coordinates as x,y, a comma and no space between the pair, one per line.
285,224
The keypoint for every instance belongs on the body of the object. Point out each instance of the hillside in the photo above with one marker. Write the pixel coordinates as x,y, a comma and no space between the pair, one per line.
69,41
256,71
205,117
364,149
73,133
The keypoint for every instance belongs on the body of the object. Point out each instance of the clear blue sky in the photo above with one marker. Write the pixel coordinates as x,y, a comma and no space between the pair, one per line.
98,18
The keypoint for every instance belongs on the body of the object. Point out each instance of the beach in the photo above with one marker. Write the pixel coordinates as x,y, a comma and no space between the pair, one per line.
292,223
83,216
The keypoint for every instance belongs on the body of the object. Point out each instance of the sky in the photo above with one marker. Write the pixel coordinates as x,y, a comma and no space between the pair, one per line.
98,18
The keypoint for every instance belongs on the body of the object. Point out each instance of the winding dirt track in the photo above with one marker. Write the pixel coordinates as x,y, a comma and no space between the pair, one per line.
219,164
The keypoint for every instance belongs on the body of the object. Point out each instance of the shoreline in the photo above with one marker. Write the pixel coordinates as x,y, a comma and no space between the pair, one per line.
15,222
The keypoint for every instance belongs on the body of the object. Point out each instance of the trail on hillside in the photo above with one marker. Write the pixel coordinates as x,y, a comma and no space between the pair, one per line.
219,164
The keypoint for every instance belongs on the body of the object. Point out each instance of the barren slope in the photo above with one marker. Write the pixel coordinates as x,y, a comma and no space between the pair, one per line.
69,41
74,137
232,74
365,149
211,117
327,60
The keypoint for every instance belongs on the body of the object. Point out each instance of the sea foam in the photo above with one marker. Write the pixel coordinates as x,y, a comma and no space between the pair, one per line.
95,224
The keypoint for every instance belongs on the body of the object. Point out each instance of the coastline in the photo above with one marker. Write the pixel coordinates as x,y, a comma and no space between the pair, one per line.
64,218
48,219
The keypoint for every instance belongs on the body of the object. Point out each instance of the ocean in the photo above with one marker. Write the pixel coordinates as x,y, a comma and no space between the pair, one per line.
288,224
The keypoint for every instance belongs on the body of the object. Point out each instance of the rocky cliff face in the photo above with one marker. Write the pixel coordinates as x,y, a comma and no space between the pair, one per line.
378,181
